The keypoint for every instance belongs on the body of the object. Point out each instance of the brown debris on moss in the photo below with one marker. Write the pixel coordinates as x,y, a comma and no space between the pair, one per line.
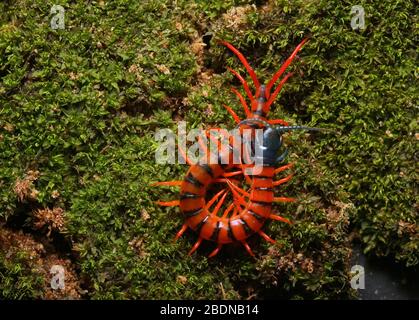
291,261
137,244
407,228
53,219
236,17
24,188
182,279
338,215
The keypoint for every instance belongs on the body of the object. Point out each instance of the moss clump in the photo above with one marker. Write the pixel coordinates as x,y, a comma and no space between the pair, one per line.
17,279
80,106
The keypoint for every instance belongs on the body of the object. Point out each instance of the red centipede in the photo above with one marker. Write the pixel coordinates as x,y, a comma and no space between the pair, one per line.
250,209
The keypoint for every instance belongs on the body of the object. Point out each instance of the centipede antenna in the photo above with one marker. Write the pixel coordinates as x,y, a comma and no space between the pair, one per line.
291,128
249,121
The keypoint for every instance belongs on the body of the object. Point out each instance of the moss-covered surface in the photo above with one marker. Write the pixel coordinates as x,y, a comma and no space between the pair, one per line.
78,112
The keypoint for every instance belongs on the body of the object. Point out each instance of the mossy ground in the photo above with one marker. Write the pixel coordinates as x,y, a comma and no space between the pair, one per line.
78,112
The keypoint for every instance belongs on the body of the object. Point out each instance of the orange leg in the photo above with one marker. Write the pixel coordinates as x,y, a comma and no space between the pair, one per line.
246,194
231,174
183,154
248,248
279,218
181,231
280,169
239,200
277,90
245,85
214,198
282,69
283,199
215,252
227,211
220,180
235,211
167,183
219,204
195,246
279,121
286,179
233,114
243,102
266,237
213,139
245,63
173,203
216,140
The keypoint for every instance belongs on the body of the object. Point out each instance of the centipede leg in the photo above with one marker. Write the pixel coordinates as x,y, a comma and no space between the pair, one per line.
280,169
245,63
227,211
243,102
281,181
214,198
235,211
181,232
219,204
248,248
173,203
266,237
279,218
282,69
233,114
279,121
231,174
167,183
284,199
277,90
183,154
243,192
216,140
195,246
215,252
238,199
245,86
202,146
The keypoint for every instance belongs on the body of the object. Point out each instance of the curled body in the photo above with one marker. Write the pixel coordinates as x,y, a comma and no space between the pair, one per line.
251,208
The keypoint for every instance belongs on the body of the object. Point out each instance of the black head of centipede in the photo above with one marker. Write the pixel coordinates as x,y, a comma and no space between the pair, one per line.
268,141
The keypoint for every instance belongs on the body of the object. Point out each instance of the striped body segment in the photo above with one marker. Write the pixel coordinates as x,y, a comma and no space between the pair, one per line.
224,230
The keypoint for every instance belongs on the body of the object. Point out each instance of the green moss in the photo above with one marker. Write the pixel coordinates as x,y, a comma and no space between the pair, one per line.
17,278
81,105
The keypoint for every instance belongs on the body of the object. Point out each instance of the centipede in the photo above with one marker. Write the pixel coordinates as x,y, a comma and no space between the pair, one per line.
250,208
